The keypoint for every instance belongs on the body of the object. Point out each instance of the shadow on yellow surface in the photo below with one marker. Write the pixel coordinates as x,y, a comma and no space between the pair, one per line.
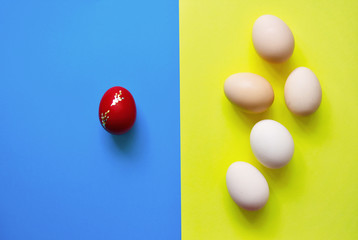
256,220
251,118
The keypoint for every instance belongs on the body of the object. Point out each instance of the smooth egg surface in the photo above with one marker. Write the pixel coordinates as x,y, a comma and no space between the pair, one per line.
272,39
303,93
271,143
247,186
249,91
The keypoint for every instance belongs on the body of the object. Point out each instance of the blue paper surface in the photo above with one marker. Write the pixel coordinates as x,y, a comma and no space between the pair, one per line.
62,176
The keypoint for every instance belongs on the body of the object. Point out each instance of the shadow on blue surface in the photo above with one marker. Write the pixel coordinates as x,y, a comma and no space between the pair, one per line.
126,142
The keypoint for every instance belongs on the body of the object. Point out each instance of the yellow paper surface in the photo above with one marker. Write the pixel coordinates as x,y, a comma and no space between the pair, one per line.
316,195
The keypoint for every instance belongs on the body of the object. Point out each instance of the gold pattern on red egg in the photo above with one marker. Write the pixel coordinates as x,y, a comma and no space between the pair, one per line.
117,110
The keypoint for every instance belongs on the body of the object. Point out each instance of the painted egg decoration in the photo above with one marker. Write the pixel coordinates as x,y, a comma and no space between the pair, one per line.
117,110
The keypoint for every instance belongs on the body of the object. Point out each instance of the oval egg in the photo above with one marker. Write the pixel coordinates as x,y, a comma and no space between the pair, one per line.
303,93
271,143
247,186
117,110
272,39
249,91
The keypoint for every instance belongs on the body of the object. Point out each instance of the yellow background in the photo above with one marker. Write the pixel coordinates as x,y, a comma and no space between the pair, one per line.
316,195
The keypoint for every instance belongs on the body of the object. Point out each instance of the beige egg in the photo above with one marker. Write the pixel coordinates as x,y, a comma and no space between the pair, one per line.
273,39
303,92
249,91
247,186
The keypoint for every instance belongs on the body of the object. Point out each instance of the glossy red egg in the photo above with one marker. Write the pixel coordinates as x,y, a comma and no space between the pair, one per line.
117,110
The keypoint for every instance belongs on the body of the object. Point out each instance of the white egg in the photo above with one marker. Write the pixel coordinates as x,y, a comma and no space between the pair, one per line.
271,143
247,186
303,92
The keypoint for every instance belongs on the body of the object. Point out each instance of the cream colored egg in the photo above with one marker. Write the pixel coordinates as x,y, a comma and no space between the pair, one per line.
247,186
249,91
273,39
303,92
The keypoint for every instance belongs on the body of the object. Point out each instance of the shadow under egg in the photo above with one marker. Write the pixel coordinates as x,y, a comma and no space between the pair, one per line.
251,118
125,142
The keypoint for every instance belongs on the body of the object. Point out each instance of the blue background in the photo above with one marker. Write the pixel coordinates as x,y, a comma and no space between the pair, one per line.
61,175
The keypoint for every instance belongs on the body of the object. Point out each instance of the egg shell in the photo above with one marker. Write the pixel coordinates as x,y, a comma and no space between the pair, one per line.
271,143
117,110
303,93
249,91
247,186
272,39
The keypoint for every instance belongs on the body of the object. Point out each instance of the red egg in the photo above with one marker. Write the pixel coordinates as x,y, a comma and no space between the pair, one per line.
117,110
